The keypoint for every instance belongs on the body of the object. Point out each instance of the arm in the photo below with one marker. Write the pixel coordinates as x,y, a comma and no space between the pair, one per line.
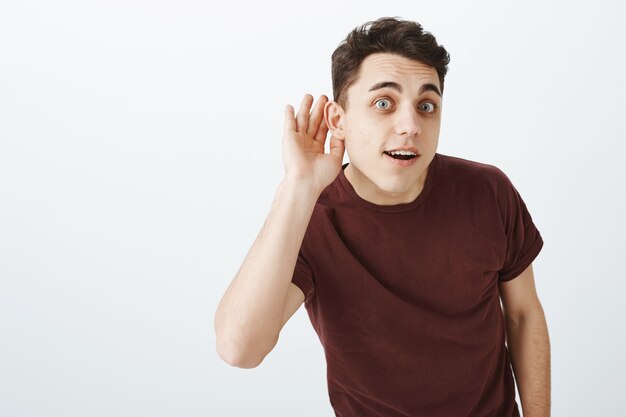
248,318
528,342
257,302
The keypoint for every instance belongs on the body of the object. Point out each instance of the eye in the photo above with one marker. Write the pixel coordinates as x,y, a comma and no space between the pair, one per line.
382,100
428,107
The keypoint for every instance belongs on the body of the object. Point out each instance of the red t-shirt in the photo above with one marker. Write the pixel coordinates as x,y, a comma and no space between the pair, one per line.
405,298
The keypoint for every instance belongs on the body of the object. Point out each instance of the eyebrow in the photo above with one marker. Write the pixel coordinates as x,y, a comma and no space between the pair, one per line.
394,85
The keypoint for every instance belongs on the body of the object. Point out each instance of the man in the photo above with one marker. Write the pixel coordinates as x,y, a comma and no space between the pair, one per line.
401,256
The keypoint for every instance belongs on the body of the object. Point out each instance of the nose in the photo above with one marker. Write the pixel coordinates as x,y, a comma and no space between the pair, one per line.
408,122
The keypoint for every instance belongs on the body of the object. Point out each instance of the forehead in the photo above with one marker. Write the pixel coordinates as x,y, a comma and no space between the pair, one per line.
386,66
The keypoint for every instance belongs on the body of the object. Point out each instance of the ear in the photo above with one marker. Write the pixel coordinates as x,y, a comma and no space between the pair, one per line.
333,116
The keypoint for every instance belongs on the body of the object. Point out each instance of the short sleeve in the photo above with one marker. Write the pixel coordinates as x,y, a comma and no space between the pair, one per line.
303,277
524,242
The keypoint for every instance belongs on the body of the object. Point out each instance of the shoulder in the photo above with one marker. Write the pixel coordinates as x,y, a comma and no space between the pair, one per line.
458,165
471,173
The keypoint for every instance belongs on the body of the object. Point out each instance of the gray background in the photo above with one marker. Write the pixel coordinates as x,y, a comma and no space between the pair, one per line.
140,149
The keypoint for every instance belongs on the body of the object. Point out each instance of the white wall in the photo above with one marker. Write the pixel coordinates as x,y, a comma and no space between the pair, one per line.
140,149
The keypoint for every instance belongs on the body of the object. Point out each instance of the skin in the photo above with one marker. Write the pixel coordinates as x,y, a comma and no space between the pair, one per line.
386,119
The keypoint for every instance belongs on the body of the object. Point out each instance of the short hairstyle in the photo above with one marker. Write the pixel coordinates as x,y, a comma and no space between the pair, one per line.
387,34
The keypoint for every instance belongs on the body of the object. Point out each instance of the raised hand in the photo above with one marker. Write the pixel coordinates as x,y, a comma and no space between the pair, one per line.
304,137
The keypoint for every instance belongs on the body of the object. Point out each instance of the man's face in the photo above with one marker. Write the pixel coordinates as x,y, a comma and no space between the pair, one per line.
381,118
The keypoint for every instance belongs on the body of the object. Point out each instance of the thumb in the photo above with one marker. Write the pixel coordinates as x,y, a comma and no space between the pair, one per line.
337,147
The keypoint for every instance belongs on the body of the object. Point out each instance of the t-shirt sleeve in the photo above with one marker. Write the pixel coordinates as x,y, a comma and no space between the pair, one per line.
303,277
524,242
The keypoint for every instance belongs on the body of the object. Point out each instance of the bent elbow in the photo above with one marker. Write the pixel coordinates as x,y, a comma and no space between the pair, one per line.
240,361
237,359
245,364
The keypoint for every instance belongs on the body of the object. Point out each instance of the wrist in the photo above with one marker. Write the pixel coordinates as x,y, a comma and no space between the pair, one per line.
301,188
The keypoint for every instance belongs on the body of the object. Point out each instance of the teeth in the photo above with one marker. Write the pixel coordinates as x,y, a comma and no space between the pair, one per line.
402,153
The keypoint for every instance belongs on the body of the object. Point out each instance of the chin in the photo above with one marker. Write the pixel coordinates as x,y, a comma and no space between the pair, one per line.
394,185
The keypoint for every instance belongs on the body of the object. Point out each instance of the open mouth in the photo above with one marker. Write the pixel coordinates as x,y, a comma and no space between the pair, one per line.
403,155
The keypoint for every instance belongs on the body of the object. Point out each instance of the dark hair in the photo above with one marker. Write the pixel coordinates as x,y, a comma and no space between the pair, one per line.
387,34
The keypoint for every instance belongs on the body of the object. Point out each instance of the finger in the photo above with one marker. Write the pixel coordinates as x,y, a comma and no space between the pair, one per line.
337,147
290,123
302,119
317,115
320,136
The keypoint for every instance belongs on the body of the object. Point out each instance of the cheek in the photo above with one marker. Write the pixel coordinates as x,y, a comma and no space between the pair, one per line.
362,134
360,142
362,138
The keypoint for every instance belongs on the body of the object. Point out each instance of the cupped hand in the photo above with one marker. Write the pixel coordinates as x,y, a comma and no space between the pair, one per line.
304,137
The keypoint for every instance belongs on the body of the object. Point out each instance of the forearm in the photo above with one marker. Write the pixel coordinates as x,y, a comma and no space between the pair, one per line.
529,348
249,315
